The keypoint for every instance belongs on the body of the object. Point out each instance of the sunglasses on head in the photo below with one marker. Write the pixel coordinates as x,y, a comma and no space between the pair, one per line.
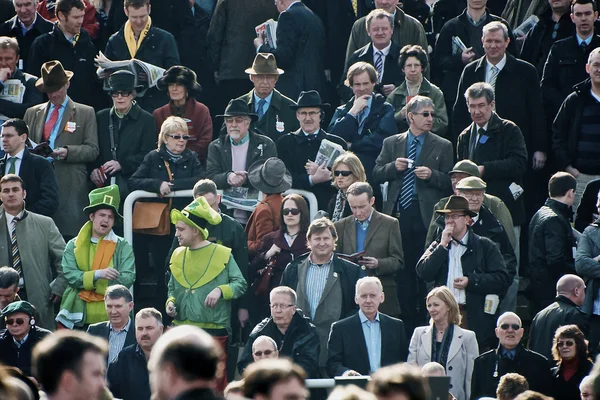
342,173
12,321
122,93
515,327
177,137
567,343
293,211
266,353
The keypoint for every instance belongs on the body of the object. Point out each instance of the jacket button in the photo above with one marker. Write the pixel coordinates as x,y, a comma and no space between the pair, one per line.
450,386
450,368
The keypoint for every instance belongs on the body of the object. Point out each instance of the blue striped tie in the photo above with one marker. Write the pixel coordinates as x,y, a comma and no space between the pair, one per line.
379,65
407,191
261,108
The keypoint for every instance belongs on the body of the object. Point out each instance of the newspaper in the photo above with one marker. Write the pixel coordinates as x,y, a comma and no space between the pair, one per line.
13,91
268,30
328,152
527,25
106,67
241,198
457,46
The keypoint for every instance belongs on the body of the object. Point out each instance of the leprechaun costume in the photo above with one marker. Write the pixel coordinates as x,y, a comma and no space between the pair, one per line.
83,300
196,272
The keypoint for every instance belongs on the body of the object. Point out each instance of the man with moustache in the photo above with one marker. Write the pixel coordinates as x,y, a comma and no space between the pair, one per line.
127,376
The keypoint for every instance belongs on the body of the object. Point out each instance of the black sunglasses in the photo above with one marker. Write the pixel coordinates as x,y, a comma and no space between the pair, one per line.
515,327
177,137
293,211
342,173
266,353
11,321
426,114
567,343
123,93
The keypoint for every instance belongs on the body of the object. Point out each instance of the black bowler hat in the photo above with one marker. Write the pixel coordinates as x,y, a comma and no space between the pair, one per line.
310,98
238,108
122,80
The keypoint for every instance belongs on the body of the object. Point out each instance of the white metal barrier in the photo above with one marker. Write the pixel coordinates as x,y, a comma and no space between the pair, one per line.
320,383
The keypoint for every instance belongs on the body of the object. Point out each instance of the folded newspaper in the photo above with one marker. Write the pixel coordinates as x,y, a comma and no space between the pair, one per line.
268,29
527,25
328,152
106,67
241,198
13,91
457,46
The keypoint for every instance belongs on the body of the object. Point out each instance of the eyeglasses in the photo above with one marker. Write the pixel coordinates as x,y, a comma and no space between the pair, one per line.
426,114
178,137
567,343
471,195
238,120
515,327
555,30
280,306
342,173
12,321
122,93
293,211
311,114
266,353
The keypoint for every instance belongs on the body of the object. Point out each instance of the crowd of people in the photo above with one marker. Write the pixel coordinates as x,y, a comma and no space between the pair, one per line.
374,182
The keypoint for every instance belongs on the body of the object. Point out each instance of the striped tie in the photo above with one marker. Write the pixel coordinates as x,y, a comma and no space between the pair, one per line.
407,191
493,76
261,108
379,65
16,258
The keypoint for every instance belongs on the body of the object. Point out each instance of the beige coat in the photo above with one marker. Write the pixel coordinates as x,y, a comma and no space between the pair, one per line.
41,248
461,357
71,173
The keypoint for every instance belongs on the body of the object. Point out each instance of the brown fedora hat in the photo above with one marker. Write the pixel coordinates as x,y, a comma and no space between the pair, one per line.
53,77
456,204
264,64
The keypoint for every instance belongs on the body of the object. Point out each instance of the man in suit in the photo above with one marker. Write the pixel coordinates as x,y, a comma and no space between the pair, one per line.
36,171
9,57
323,282
119,330
27,25
69,129
368,340
275,117
300,48
415,164
32,245
381,52
299,149
376,234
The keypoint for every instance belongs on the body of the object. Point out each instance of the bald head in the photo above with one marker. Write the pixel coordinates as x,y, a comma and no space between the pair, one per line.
572,287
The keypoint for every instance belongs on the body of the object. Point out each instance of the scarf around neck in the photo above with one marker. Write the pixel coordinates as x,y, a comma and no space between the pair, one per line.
132,45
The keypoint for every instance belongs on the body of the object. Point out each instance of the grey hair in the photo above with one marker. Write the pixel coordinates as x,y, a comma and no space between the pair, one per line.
418,102
368,279
379,14
267,338
508,314
592,54
479,90
495,26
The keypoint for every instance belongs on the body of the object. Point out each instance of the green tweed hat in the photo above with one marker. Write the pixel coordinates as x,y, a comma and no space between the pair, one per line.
197,214
19,306
465,167
471,183
104,197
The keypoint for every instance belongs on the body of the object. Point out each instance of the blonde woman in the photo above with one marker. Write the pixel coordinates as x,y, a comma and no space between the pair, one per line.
446,343
346,170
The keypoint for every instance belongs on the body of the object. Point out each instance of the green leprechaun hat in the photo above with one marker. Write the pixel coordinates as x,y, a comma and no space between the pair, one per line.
197,214
104,197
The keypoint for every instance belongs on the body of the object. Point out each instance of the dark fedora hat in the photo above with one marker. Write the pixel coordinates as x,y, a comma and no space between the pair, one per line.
53,77
181,75
456,204
270,176
238,108
122,80
310,98
264,64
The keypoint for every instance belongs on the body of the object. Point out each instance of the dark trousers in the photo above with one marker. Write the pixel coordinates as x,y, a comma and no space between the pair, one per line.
410,288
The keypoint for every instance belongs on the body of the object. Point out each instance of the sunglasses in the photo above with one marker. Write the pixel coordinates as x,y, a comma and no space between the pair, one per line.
122,93
293,211
266,353
566,343
12,321
515,327
177,137
426,114
342,173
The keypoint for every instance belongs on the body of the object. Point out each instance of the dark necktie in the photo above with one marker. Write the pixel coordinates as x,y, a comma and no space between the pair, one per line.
379,65
16,257
474,140
12,169
261,110
407,192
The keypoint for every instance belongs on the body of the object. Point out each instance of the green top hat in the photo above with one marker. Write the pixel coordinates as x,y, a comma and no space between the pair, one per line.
104,197
197,214
19,306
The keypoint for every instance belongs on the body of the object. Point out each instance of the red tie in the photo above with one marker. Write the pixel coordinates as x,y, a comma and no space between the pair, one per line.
49,125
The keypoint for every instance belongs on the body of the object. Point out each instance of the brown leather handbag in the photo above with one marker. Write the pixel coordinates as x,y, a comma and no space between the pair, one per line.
152,218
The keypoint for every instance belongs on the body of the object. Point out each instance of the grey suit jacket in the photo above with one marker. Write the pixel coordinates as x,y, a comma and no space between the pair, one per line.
436,154
384,242
71,173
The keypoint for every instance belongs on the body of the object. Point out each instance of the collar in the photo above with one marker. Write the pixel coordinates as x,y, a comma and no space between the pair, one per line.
510,353
290,6
267,99
311,134
587,40
464,241
365,224
472,21
243,141
500,64
63,105
363,317
125,328
485,127
30,26
310,261
19,215
20,343
19,155
385,50
369,102
412,136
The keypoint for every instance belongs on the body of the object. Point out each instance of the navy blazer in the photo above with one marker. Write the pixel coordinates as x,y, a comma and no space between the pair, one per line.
102,330
347,348
40,183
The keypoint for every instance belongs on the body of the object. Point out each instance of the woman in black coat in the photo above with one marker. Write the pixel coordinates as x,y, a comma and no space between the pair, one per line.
169,168
346,170
278,249
570,351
